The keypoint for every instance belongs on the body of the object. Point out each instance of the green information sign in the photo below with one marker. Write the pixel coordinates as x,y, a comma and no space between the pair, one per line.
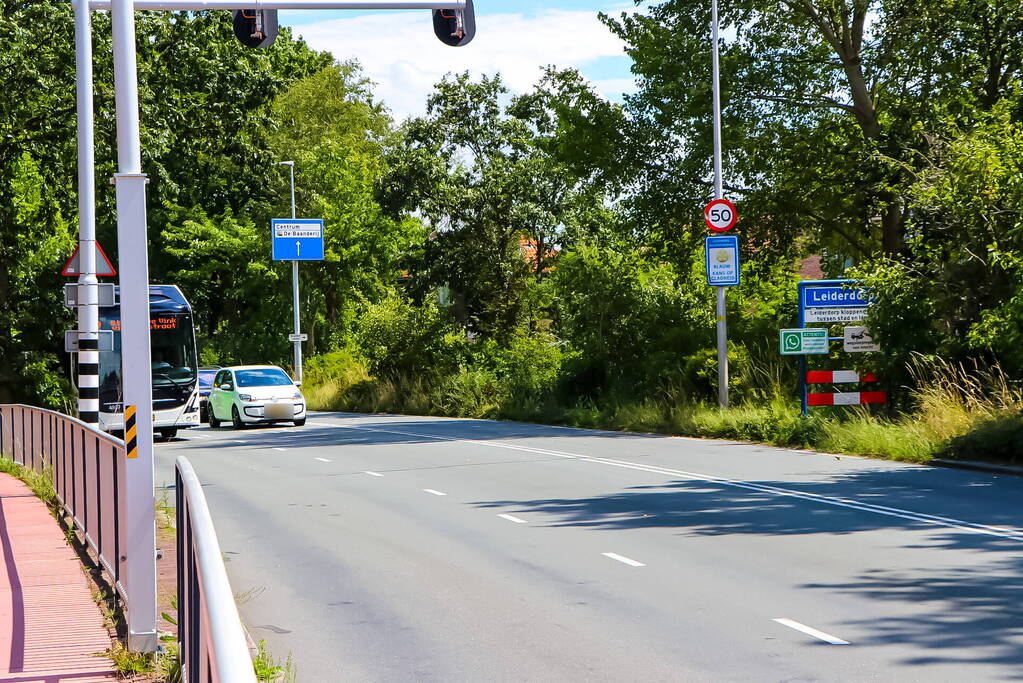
798,341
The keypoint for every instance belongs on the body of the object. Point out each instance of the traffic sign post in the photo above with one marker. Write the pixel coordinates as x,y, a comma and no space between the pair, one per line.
830,301
296,239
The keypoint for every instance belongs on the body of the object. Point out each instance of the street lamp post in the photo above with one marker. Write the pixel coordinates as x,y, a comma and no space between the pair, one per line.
294,281
722,322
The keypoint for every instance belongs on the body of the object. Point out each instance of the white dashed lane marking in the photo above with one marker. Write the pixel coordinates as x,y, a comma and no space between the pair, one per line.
435,492
513,518
321,459
819,635
374,474
624,560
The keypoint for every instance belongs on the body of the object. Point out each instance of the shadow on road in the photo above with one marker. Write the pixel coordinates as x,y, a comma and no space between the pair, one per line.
971,613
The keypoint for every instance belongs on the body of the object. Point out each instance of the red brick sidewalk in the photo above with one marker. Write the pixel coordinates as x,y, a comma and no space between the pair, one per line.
50,628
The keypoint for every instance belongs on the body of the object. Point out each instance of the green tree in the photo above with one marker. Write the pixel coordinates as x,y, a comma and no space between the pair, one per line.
484,176
827,105
332,127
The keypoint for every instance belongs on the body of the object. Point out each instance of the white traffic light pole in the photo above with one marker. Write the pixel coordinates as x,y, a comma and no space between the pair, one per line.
722,322
130,185
294,281
198,5
136,369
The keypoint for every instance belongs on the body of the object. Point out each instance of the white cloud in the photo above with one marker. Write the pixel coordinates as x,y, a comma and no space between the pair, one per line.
401,54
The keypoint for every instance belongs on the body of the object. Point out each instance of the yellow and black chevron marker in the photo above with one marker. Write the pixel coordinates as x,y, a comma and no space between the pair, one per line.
131,442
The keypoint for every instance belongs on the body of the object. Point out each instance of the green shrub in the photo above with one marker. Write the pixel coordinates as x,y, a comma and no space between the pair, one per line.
998,440
400,338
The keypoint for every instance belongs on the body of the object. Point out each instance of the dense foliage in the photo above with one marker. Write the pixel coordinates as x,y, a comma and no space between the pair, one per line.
539,255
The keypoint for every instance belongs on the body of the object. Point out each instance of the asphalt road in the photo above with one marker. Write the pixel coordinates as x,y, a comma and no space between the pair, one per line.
394,548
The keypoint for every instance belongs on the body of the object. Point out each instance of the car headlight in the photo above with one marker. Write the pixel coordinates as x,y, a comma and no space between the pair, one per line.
245,398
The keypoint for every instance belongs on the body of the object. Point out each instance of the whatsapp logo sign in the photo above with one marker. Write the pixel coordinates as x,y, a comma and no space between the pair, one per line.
791,341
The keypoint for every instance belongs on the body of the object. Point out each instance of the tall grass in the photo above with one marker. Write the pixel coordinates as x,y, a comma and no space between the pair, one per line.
956,411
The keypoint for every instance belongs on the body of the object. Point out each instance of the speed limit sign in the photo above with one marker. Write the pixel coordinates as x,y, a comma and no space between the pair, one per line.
720,215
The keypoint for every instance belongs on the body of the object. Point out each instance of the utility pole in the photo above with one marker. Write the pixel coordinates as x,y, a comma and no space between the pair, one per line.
294,281
722,322
132,240
88,299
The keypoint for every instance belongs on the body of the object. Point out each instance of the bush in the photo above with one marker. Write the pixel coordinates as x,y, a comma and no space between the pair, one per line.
399,339
330,378
999,440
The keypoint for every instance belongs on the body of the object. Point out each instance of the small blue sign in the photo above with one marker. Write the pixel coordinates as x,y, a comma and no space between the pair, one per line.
835,297
297,239
722,257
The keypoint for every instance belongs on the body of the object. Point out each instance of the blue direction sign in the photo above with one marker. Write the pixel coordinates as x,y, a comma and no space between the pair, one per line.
722,255
297,239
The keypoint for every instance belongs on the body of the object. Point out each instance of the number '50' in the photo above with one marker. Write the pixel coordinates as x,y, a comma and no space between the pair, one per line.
721,214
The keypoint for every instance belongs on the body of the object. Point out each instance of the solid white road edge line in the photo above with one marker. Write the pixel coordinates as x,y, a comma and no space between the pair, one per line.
374,474
623,559
513,518
435,492
321,459
819,635
935,520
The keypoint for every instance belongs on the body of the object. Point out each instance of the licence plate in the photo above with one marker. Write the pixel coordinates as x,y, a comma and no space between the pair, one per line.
279,411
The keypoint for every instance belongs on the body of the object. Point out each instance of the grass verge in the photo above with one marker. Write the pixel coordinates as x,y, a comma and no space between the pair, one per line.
954,412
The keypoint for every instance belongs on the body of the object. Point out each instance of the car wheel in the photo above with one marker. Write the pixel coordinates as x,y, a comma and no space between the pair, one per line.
300,423
211,418
168,433
236,419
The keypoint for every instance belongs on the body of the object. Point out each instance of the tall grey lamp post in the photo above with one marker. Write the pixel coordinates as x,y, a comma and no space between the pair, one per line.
294,279
722,322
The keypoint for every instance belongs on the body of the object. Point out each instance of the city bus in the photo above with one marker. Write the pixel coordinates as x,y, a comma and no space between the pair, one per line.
175,367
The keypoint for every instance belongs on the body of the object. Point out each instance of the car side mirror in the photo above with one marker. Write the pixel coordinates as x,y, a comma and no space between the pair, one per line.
298,383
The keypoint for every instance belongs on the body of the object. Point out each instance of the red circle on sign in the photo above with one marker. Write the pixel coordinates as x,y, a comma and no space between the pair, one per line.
720,215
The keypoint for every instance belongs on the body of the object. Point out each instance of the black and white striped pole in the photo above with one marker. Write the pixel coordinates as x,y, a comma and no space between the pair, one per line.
87,294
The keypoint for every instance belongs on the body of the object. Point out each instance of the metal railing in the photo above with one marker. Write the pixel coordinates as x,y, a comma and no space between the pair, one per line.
88,471
213,643
87,467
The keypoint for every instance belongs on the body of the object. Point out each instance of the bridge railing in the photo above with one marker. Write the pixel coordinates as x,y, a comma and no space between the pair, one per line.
213,643
88,471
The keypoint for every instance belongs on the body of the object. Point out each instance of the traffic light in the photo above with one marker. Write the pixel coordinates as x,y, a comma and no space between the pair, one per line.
455,27
255,27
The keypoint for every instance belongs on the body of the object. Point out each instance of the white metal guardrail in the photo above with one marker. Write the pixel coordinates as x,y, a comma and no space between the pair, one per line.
213,644
88,470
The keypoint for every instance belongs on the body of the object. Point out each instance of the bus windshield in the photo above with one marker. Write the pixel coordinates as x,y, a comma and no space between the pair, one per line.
172,348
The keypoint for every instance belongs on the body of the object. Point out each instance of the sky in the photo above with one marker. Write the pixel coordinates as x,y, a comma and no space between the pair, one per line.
516,38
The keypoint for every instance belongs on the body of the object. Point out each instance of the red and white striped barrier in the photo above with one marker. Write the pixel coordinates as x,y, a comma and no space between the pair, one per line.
838,377
848,398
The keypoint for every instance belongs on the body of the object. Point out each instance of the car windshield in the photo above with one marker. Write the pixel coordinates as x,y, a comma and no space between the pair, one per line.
263,377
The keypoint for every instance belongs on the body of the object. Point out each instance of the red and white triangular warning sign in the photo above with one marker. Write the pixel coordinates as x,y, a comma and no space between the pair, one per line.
103,265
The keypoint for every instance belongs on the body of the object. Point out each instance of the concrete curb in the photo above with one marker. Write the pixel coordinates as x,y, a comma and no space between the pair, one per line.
977,466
